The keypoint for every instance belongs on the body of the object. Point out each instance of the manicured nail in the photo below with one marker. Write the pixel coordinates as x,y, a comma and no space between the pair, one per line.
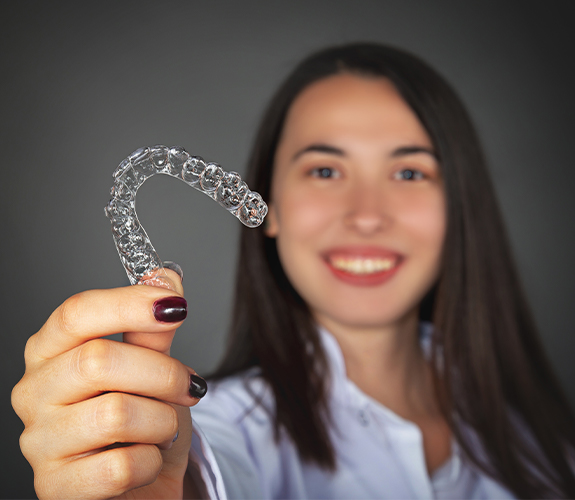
198,386
176,436
170,309
168,264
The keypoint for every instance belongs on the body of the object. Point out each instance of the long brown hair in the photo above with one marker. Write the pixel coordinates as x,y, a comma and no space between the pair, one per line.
495,386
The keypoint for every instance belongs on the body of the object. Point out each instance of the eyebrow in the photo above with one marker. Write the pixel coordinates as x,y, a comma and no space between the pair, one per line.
397,153
319,148
411,150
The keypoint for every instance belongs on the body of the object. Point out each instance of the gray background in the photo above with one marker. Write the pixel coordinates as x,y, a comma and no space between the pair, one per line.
85,83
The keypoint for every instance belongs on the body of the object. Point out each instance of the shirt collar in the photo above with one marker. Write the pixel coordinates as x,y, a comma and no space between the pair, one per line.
348,394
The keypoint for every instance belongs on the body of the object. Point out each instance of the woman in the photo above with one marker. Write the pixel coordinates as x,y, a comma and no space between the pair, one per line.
490,377
382,219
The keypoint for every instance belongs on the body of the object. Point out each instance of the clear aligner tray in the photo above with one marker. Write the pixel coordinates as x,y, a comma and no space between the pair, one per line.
138,256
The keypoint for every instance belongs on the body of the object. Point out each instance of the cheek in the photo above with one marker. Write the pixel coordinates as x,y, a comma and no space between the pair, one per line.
302,214
304,219
424,215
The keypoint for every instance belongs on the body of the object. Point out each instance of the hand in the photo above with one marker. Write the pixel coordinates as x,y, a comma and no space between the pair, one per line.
81,395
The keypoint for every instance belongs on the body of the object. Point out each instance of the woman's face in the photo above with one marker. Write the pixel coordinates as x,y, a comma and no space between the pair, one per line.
357,203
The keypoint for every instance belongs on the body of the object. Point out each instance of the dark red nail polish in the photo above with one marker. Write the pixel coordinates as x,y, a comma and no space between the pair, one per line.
170,309
198,386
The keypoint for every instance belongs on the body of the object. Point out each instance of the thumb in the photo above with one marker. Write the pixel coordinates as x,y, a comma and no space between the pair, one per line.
160,342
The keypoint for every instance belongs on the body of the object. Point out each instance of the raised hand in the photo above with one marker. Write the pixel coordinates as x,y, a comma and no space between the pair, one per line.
101,416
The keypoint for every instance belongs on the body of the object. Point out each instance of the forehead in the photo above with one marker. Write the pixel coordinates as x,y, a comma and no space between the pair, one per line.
346,105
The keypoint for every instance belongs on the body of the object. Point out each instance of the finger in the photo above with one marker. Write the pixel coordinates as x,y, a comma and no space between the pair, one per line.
100,422
160,342
177,456
168,264
102,475
97,313
103,365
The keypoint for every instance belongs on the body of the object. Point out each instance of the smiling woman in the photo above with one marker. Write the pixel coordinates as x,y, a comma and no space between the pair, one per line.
381,346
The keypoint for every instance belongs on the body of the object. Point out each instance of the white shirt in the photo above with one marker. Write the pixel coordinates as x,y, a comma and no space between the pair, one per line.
379,454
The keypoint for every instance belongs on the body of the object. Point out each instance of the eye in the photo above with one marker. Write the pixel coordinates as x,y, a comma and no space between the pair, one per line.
408,174
324,173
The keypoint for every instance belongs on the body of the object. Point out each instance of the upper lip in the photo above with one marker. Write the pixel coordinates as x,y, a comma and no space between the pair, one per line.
359,252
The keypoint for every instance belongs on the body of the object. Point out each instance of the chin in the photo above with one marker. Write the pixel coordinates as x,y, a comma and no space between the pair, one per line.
366,317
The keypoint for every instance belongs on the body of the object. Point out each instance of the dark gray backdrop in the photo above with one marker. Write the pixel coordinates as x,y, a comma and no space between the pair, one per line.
85,83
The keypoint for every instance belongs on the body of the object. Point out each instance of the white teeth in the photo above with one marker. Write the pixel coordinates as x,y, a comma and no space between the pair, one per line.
363,266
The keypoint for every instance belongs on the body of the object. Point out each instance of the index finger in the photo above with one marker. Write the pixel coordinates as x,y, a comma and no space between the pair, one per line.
98,313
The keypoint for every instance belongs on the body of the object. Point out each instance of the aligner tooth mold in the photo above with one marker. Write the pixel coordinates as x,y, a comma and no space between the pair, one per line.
137,254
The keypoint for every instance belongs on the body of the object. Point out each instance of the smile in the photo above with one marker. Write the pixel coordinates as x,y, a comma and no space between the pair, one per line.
363,265
369,266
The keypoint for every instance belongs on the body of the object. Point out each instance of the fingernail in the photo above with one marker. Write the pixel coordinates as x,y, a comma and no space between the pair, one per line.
198,386
168,264
176,436
170,309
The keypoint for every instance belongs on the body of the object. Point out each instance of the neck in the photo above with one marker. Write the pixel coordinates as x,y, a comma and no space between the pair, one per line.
387,364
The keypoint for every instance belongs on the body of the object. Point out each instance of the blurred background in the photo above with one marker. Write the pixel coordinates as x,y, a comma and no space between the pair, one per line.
83,84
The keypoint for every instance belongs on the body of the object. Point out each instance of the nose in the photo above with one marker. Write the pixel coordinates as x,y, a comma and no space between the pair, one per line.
366,212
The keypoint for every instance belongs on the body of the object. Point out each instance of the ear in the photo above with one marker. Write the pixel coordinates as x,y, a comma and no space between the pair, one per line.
271,226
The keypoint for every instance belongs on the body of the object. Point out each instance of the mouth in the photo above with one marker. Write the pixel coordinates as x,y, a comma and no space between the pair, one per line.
363,267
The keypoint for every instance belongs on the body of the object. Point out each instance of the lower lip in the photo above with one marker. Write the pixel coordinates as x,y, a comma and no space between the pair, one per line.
371,279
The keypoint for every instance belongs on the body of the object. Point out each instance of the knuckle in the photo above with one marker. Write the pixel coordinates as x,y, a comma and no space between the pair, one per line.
18,399
30,350
69,313
94,360
25,400
122,468
113,414
26,444
33,446
118,470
